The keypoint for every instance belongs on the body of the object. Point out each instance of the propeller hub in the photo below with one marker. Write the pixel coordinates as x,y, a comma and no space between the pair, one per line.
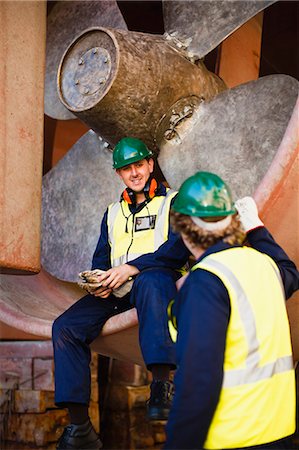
94,68
121,83
87,70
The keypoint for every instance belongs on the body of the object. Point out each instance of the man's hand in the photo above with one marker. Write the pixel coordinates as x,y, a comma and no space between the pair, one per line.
248,213
102,292
115,277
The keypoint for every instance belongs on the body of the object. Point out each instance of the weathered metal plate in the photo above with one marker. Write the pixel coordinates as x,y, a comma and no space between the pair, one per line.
76,193
67,20
235,135
199,26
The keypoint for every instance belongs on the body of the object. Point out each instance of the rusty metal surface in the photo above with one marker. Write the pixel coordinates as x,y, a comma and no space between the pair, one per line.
122,83
199,26
66,20
76,193
278,199
22,52
236,134
30,303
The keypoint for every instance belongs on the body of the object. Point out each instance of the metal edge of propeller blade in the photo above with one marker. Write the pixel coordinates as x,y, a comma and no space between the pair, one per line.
66,20
197,27
76,193
235,135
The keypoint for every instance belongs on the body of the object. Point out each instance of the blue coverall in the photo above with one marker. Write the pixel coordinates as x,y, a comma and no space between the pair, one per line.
203,304
78,326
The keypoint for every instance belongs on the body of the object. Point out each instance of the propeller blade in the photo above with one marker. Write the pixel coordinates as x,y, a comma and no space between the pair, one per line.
199,26
236,134
76,193
67,20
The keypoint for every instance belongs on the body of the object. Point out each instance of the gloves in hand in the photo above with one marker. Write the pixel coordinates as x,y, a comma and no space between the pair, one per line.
90,283
248,213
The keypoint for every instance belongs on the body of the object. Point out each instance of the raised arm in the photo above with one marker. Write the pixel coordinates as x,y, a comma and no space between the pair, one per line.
259,238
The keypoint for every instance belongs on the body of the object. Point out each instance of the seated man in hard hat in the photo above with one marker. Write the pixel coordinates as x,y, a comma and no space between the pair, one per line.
235,382
133,226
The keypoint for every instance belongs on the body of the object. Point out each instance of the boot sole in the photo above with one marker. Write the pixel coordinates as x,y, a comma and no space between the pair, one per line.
96,445
156,414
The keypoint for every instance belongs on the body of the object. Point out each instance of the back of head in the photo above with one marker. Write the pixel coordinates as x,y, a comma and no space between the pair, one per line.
204,212
128,151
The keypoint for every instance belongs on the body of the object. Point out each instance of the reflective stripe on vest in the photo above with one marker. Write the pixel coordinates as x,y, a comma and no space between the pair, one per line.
172,324
126,240
258,381
252,372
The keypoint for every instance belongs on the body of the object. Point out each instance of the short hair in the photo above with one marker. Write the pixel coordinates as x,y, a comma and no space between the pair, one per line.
233,234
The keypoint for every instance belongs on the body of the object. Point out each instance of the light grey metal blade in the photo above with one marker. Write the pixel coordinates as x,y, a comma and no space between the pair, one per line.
76,193
199,26
67,20
235,135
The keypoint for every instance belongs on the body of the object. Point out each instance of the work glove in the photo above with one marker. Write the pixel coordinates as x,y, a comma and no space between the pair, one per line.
248,214
90,283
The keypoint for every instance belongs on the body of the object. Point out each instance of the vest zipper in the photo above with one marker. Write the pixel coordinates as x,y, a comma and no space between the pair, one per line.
132,237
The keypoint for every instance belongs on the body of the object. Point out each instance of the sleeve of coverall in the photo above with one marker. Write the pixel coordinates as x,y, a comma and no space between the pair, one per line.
261,240
101,257
173,254
202,309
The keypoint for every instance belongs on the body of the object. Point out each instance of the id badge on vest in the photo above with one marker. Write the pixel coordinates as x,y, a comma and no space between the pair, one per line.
145,223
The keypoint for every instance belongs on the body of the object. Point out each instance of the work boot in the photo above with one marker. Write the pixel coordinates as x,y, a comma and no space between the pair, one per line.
159,403
79,437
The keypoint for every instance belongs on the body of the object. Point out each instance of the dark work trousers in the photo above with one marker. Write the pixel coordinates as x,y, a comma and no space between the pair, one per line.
79,325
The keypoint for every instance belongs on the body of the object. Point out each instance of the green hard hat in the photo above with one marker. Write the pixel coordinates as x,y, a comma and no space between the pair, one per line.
129,150
204,195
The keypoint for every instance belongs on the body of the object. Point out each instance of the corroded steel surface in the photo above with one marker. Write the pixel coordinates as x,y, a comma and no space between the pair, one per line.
76,193
32,302
278,198
22,53
236,134
199,26
122,83
66,20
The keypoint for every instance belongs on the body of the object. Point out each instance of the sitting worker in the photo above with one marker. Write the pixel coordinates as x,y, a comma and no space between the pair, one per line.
135,225
235,382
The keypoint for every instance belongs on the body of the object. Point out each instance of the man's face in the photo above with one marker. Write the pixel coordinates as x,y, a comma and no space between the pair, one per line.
135,175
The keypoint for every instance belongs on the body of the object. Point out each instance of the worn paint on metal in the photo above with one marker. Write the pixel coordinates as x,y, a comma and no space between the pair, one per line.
22,53
143,79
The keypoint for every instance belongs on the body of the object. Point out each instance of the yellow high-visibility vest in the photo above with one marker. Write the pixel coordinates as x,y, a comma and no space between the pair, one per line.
257,399
132,235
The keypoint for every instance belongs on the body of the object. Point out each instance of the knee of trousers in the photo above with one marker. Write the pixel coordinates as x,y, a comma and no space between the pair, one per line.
57,327
153,287
61,329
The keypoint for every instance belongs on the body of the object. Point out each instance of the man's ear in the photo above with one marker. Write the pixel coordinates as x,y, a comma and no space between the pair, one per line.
118,173
151,165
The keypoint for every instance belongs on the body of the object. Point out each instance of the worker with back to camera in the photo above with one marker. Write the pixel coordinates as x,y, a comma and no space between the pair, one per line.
235,381
131,228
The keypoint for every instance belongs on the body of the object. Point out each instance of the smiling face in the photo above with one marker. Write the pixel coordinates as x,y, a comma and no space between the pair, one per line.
135,176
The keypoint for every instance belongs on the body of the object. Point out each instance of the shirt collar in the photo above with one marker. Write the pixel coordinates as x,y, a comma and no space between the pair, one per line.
218,247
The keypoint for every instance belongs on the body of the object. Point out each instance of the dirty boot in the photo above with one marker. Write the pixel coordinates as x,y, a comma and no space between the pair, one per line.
159,403
81,436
